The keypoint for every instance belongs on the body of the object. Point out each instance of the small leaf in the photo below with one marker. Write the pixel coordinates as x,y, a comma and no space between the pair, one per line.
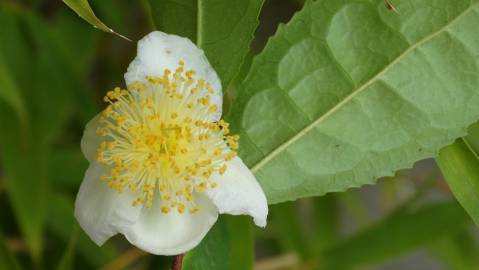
223,29
83,9
229,245
459,164
348,92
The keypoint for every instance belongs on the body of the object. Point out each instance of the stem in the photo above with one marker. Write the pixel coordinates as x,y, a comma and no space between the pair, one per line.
177,262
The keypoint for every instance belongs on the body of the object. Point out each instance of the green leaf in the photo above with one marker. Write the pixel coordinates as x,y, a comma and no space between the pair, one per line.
175,17
348,92
229,245
397,234
7,259
83,9
459,164
223,29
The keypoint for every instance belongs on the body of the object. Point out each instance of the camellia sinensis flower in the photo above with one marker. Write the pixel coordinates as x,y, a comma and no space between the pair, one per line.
162,163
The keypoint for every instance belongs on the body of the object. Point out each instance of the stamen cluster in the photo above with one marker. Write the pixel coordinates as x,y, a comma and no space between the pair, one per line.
160,139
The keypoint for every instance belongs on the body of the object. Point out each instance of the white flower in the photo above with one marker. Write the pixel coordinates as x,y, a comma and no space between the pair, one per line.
162,164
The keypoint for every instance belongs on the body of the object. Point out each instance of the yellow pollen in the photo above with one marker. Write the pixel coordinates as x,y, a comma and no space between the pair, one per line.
160,139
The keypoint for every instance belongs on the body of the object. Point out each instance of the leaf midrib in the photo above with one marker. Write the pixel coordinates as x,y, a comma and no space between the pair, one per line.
353,94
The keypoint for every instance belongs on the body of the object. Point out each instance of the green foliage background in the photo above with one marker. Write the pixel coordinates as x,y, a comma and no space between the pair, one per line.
342,94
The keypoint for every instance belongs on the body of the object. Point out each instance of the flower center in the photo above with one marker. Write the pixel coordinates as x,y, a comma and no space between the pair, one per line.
160,139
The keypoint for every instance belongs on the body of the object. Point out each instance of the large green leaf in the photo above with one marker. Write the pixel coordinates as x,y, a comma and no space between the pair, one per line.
83,9
348,92
223,29
175,16
229,245
397,234
459,163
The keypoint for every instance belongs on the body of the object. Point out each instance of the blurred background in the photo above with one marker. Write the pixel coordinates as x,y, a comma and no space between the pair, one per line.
54,70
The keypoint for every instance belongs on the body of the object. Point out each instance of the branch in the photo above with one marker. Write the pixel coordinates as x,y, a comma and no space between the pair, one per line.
390,6
177,262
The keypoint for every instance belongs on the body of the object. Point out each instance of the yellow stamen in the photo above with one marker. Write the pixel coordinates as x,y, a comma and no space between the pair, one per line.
160,140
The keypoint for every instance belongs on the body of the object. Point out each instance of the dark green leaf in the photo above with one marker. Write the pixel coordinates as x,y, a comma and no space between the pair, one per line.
176,17
229,245
223,29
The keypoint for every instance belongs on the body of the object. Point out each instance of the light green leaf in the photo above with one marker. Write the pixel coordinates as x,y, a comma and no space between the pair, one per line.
397,234
348,92
7,259
83,9
223,29
229,245
459,164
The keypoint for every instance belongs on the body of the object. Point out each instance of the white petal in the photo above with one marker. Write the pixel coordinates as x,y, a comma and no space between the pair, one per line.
101,211
172,233
90,140
239,193
158,51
